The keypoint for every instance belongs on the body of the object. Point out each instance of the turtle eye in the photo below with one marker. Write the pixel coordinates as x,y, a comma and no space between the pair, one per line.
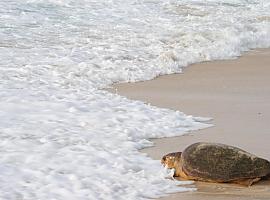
171,157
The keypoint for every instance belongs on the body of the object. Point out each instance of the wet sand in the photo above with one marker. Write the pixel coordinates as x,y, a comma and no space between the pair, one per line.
235,93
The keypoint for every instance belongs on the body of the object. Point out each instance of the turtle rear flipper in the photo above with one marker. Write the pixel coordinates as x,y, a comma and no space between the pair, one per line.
246,182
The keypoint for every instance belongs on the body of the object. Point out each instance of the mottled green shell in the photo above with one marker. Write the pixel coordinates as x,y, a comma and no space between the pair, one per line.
223,163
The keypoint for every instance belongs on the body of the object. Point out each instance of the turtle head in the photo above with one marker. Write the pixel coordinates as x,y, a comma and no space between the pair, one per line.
170,159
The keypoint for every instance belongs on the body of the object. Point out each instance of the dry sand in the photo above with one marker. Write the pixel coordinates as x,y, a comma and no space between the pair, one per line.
236,93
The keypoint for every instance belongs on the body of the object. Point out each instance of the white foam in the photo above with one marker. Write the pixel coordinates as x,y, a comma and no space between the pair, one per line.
63,138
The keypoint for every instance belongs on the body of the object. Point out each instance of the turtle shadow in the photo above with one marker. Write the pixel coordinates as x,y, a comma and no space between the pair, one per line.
260,190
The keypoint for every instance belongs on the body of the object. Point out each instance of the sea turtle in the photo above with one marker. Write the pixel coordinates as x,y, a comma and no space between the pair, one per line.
214,162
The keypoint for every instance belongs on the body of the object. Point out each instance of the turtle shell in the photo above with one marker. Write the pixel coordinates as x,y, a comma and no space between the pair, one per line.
221,163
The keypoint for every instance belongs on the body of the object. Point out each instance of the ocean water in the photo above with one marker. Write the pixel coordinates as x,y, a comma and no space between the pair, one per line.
61,136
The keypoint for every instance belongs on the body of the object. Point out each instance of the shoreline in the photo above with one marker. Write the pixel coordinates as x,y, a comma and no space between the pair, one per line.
235,93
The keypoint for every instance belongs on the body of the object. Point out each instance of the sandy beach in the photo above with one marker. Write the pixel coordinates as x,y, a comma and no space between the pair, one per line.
235,93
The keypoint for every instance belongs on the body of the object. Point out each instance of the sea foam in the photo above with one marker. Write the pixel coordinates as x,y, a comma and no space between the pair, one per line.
61,136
